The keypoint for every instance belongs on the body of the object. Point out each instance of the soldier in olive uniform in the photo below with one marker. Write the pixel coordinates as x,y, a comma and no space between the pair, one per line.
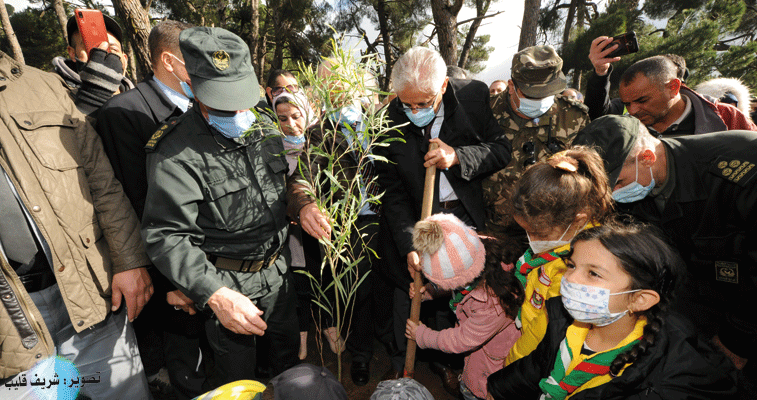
214,221
537,120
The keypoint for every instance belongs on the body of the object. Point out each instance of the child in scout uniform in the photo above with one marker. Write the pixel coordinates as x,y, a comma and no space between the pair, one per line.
485,297
553,201
610,334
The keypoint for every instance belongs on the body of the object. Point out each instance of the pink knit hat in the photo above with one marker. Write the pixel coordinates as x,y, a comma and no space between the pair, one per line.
451,253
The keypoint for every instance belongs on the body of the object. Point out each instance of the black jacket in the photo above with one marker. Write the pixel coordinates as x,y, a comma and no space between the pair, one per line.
125,123
481,146
678,366
711,218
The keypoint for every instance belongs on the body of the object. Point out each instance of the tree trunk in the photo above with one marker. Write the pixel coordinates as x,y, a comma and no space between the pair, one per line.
383,19
254,41
12,39
445,20
530,23
60,12
482,6
569,22
137,27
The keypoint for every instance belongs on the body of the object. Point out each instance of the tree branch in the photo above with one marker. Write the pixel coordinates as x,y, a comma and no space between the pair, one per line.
479,18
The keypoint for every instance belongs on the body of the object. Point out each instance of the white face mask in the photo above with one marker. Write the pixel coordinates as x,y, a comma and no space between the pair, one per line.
589,304
541,246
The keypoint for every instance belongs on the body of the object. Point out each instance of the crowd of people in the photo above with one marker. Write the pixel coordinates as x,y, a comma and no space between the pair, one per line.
579,245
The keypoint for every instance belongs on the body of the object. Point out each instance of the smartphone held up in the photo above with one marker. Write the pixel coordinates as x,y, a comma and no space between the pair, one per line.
626,42
91,27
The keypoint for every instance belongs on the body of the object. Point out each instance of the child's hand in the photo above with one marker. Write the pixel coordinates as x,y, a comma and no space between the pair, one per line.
411,328
425,293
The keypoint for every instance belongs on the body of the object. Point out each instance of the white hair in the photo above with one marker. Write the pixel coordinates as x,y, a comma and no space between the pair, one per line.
718,88
645,141
421,68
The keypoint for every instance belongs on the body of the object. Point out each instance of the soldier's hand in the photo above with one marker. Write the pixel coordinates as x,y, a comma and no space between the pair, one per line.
236,312
180,301
598,54
443,157
314,222
133,285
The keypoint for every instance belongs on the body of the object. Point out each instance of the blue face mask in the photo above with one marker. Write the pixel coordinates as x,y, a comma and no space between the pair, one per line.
231,124
535,108
635,191
423,117
295,140
184,86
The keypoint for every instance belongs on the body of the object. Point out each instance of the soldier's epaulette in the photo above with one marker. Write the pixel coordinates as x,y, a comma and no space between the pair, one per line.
737,171
160,134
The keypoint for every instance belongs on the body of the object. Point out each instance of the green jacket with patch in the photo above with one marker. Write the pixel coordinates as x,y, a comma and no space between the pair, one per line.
210,195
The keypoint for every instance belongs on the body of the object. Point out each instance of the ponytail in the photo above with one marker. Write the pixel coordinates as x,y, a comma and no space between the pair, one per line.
499,280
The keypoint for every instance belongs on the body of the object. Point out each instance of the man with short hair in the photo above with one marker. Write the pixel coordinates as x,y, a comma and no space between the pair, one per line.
701,191
70,250
215,212
497,87
455,114
651,90
125,123
96,76
537,120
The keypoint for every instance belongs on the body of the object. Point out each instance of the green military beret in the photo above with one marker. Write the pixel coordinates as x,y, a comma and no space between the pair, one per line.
537,71
614,136
219,67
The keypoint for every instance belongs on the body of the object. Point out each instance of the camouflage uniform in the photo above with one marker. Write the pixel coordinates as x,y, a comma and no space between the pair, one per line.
532,139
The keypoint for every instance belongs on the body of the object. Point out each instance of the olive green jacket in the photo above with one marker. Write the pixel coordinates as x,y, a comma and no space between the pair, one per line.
57,164
210,195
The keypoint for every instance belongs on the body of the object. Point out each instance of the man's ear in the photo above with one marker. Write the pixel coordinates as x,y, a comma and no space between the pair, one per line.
71,52
647,158
444,85
165,59
674,86
643,300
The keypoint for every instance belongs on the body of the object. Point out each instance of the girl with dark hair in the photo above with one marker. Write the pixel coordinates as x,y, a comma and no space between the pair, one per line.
485,297
610,335
553,201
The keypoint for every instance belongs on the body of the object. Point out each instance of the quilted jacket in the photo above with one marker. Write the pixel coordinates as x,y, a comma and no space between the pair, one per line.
56,162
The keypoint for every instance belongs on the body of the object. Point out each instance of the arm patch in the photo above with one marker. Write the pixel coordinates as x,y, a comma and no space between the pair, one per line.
159,134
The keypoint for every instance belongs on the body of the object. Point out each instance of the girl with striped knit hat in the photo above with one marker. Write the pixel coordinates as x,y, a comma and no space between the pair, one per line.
610,334
485,297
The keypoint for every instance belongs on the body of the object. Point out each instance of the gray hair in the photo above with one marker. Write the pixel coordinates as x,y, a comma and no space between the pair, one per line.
421,68
645,141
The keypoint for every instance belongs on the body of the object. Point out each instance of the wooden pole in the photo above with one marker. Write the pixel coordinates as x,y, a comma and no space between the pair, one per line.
415,309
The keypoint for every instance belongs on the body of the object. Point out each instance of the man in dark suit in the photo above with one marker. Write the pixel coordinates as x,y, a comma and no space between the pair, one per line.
455,114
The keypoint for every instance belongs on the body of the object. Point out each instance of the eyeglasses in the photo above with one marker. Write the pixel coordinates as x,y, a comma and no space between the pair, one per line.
528,149
277,90
418,106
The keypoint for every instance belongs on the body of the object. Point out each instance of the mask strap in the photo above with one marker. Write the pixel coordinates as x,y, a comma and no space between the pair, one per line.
627,291
566,231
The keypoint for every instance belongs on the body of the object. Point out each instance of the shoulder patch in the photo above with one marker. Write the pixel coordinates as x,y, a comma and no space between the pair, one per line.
574,103
160,133
737,171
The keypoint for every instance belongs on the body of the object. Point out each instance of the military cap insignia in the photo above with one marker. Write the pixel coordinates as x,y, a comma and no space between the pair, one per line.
726,271
736,171
221,60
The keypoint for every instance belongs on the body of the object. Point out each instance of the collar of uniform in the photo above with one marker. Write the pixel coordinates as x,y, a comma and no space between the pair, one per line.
164,92
10,69
685,182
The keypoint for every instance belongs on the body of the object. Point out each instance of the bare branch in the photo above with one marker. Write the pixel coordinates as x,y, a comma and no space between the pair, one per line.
479,18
